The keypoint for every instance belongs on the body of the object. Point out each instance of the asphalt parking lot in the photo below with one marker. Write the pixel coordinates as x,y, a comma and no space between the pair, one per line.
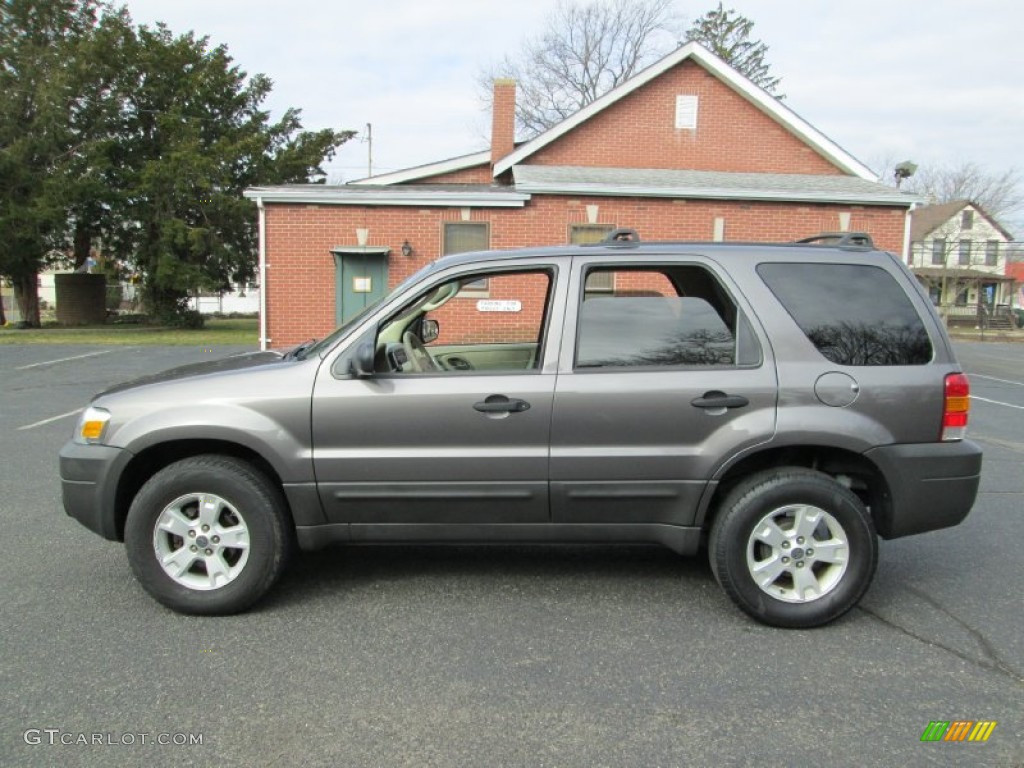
515,656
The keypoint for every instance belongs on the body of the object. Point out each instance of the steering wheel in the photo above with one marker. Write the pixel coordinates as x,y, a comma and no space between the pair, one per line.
421,360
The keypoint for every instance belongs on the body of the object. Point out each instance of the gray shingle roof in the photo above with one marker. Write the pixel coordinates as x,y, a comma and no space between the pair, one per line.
926,220
653,182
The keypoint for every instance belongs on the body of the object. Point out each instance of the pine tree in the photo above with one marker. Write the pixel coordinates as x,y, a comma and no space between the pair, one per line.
727,34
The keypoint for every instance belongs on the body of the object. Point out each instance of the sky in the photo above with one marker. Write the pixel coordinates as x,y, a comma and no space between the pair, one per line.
937,82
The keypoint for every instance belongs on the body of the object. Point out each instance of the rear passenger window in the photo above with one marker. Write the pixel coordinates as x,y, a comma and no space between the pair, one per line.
667,316
853,314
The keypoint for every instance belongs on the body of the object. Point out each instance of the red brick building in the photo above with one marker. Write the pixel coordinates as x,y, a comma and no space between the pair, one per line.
688,149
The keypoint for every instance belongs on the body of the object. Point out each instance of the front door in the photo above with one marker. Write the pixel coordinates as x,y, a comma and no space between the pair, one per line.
429,438
361,278
666,377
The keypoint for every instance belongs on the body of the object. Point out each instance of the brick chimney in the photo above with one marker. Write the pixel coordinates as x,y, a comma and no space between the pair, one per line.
503,121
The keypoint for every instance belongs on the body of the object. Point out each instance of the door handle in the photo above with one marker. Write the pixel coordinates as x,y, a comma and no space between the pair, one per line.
501,404
716,399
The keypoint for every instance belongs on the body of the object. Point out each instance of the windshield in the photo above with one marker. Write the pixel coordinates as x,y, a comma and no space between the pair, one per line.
322,346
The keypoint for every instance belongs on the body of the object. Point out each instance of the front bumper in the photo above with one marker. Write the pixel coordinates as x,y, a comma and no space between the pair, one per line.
88,479
931,485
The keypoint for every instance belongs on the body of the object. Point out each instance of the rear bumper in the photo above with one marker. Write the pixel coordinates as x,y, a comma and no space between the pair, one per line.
88,479
931,486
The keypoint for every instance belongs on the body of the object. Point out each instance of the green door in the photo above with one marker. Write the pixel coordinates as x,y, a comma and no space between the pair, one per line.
361,278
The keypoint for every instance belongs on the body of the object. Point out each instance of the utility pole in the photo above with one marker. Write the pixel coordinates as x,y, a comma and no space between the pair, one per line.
369,150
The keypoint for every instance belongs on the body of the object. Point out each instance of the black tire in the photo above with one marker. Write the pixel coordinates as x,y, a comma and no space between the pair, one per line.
774,498
248,509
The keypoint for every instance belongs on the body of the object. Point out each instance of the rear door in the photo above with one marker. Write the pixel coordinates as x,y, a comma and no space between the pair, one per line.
662,376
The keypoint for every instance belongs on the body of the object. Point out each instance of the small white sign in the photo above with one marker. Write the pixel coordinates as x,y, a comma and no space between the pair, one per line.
362,285
494,305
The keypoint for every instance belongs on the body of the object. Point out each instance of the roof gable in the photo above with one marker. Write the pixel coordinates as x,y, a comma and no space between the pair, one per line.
696,53
924,221
727,133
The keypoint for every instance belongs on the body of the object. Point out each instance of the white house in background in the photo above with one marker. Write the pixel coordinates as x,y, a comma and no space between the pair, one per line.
958,252
245,299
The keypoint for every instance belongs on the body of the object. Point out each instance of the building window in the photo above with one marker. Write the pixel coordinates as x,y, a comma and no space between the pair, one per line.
462,236
967,220
580,234
991,253
965,253
939,251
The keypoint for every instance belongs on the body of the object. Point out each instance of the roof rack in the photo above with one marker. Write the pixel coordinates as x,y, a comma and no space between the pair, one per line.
629,236
858,239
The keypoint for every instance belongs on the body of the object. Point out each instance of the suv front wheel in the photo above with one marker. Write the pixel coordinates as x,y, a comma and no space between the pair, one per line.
207,535
793,548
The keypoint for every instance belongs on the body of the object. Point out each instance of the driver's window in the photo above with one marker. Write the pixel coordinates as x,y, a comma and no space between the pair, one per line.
449,329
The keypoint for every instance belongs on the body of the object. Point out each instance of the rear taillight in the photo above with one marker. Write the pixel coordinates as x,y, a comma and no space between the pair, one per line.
956,407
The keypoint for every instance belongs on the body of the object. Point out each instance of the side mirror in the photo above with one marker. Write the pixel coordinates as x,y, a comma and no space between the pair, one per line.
363,360
429,331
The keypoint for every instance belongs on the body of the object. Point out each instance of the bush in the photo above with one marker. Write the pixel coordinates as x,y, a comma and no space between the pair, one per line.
180,318
190,319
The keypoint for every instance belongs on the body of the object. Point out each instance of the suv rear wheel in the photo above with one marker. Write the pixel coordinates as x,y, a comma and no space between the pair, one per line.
207,535
793,548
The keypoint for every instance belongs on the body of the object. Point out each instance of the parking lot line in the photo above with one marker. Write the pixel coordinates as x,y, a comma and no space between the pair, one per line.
997,402
51,419
63,360
993,378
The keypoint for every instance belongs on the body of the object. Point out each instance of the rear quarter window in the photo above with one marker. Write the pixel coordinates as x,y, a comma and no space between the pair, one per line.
854,314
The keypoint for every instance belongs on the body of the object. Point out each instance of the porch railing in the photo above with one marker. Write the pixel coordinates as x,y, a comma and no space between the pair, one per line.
979,315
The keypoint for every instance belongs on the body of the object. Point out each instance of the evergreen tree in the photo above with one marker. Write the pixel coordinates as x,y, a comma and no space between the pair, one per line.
194,137
40,47
727,34
138,138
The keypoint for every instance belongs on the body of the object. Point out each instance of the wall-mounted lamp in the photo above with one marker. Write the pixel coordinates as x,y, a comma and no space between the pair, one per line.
406,249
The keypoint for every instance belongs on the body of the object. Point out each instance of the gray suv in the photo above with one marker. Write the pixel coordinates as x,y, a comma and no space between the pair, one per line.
781,405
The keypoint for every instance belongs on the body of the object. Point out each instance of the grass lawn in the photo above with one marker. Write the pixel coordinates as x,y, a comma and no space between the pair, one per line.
217,331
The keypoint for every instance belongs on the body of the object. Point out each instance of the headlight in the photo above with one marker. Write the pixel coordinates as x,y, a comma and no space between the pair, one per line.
92,425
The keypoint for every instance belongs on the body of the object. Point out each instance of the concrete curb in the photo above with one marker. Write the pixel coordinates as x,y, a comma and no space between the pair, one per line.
978,335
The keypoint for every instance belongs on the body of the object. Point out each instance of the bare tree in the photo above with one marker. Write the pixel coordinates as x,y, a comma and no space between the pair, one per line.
727,34
586,50
1000,193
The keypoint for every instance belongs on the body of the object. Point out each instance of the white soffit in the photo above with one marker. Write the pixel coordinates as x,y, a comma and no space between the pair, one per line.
422,196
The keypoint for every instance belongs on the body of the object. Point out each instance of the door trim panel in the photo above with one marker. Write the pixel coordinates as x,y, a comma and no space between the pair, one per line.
627,502
497,502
